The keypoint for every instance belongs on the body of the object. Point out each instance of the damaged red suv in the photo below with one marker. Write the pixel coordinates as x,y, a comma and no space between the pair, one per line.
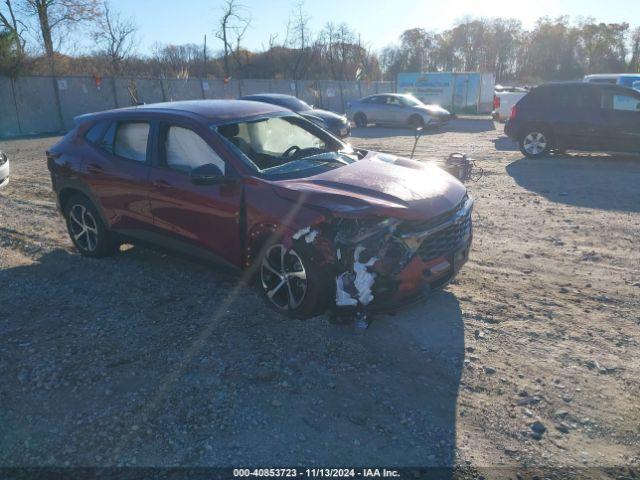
255,186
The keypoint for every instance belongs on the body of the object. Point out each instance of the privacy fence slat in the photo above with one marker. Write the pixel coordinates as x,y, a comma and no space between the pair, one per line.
30,105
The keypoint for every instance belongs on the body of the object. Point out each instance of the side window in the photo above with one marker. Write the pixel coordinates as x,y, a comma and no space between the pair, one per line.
393,101
131,141
185,149
617,101
565,97
95,133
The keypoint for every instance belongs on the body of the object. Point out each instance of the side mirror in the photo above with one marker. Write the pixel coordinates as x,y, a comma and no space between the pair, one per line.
208,174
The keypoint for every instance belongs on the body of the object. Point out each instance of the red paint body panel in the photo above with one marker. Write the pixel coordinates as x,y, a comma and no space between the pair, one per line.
232,219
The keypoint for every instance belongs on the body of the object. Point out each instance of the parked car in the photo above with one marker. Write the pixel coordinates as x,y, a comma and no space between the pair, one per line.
504,99
4,169
259,188
336,124
576,116
630,80
396,109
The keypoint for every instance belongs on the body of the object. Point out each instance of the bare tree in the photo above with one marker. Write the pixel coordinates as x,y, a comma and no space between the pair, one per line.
231,30
115,36
10,23
299,38
54,16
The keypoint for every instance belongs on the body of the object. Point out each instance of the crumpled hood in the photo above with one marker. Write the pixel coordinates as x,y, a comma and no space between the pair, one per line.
380,185
325,115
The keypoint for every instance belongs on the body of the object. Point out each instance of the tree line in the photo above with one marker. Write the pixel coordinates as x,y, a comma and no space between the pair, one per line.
35,39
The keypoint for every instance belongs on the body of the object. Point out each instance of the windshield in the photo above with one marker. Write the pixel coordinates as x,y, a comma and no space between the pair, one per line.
411,101
284,145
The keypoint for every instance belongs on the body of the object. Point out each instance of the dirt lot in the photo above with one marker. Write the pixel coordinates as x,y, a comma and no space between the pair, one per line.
148,358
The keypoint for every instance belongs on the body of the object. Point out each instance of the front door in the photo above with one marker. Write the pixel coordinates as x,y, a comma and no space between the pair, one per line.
200,216
621,115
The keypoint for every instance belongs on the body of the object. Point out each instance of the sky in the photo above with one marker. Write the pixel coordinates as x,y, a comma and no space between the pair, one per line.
379,22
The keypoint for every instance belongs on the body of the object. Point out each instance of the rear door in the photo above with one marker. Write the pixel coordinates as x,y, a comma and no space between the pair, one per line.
621,115
116,170
202,216
575,116
376,108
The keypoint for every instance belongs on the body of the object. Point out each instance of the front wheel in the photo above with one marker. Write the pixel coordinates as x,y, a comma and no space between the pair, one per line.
535,143
416,121
292,283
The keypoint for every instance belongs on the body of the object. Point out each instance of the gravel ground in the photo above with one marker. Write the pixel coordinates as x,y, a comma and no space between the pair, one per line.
147,358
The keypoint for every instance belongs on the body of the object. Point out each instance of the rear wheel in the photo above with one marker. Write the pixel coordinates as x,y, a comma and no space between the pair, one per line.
535,143
292,283
87,231
360,119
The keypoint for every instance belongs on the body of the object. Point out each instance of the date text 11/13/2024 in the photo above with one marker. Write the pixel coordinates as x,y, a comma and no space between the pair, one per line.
316,472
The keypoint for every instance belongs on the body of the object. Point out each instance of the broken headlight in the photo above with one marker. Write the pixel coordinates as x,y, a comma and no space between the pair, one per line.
356,231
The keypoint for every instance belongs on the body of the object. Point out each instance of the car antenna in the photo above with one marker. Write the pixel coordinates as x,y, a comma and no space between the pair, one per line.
417,134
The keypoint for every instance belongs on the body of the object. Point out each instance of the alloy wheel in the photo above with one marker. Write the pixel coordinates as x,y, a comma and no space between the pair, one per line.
84,228
283,277
535,143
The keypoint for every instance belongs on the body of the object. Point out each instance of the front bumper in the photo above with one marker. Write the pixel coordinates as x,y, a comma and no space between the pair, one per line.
413,260
4,174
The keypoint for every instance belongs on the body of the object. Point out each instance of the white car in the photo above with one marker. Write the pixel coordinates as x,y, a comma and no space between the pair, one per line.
4,169
629,80
504,99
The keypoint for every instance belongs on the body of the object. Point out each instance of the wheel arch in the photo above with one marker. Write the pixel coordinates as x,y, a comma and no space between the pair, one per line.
70,189
541,126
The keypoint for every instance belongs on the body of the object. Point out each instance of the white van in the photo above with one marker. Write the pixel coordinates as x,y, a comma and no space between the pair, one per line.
630,80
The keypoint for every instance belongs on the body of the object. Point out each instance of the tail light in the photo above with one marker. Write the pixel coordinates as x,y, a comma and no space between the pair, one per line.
514,112
496,102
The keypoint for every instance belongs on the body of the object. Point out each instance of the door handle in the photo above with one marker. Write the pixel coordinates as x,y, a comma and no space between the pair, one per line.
162,184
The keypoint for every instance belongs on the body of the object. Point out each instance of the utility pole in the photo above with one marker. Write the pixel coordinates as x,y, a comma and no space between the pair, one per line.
204,55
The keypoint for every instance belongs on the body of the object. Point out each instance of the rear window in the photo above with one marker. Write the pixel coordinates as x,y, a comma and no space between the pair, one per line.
95,133
127,140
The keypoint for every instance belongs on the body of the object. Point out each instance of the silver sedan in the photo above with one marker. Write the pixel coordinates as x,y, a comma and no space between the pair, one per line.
396,109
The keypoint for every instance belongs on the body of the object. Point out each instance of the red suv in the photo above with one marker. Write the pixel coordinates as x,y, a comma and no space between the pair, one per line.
264,190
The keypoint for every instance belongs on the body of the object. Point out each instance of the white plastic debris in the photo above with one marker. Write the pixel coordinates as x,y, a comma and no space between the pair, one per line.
364,280
301,232
309,235
342,296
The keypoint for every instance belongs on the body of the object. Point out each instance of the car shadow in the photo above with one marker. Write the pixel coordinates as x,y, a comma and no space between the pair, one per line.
585,180
505,144
145,358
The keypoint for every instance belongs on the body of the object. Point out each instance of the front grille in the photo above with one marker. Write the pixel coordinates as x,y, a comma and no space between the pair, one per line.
446,240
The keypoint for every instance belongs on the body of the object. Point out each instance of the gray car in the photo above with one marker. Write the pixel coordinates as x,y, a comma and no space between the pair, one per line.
396,109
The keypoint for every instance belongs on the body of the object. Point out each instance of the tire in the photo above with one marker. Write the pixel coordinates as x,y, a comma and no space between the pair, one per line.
86,229
360,120
416,121
535,143
293,283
